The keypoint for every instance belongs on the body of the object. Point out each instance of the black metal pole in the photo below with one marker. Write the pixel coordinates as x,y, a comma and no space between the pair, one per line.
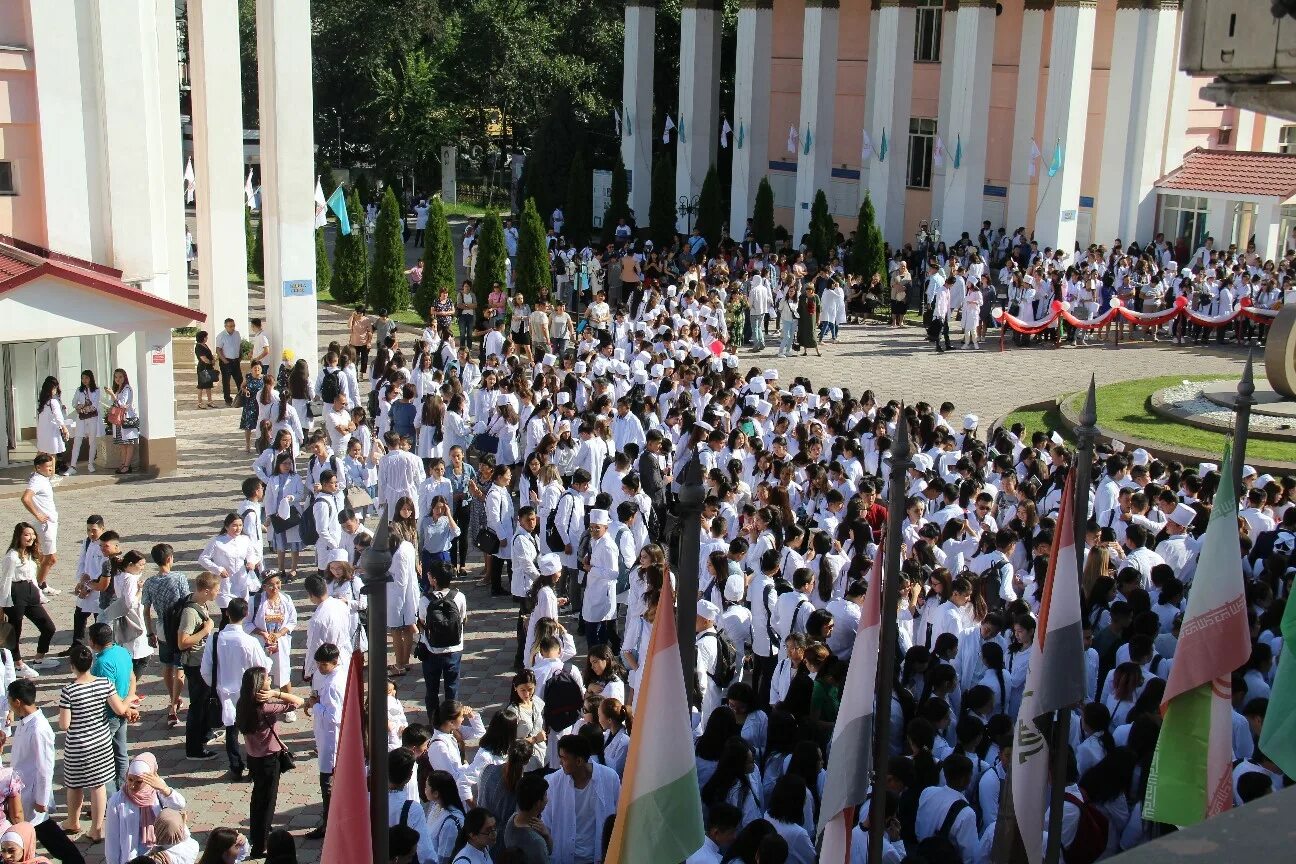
377,566
1242,419
1008,847
900,462
689,509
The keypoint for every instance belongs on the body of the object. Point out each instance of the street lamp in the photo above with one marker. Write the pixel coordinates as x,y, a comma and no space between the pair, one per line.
688,208
377,564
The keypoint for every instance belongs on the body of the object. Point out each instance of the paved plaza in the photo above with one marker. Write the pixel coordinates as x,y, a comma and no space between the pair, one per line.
185,510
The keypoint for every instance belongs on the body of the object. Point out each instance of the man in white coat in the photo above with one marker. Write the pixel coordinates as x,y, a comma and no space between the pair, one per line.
501,519
707,642
569,522
399,474
759,301
598,610
330,623
328,506
582,797
225,659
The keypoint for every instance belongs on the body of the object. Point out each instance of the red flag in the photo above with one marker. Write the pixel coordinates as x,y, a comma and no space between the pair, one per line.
349,834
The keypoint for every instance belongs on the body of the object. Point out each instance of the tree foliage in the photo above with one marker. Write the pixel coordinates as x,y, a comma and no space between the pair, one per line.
491,255
822,229
763,214
257,252
388,284
868,254
710,213
249,238
578,208
350,256
619,203
532,275
439,257
661,204
323,272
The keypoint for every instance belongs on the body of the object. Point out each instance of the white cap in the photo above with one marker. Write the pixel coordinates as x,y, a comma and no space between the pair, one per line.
835,394
1117,446
641,377
1264,480
599,517
812,401
763,407
706,609
657,370
703,425
619,354
1140,457
756,385
563,398
550,564
731,361
502,399
1204,468
549,360
922,462
1248,471
1183,515
798,391
750,400
970,421
733,588
580,367
771,374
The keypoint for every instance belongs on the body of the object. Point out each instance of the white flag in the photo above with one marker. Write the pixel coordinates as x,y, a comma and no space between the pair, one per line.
793,138
617,115
866,148
670,124
321,205
1033,161
938,153
724,133
249,194
190,182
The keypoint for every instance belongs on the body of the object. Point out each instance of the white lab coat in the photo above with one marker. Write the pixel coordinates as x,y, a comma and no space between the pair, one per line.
122,825
402,591
31,755
600,583
708,647
237,651
238,557
256,620
330,623
546,606
326,716
560,813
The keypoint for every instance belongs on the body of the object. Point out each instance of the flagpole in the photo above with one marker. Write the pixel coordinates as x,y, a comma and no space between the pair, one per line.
900,462
1008,847
1242,419
689,508
1060,733
377,565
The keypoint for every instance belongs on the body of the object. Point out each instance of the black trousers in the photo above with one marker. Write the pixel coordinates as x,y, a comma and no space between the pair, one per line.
232,750
459,548
763,677
27,604
264,771
197,725
231,370
326,795
362,358
80,622
57,843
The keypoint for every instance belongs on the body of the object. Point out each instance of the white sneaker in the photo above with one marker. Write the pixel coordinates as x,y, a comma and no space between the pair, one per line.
70,472
26,671
50,591
90,469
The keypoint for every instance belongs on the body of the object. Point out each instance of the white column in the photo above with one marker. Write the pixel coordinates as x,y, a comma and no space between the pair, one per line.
155,397
1266,226
288,174
1269,134
1019,213
699,98
969,119
818,95
217,112
1219,221
948,46
126,42
1141,67
887,112
1243,129
1065,117
751,109
168,85
637,102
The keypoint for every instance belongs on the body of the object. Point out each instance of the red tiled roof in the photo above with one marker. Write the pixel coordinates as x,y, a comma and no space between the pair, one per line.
22,262
1238,172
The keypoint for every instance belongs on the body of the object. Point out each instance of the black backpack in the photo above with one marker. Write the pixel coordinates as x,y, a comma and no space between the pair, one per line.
330,386
563,700
307,528
988,582
444,624
726,667
171,624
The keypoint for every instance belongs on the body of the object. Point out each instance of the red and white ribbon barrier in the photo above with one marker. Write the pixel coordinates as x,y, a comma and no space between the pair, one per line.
1061,310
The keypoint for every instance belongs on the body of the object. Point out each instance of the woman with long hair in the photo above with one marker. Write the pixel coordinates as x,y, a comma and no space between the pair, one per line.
493,747
992,657
257,713
1127,685
51,419
87,405
224,846
20,597
528,710
498,788
615,720
735,780
445,814
603,674
129,628
87,751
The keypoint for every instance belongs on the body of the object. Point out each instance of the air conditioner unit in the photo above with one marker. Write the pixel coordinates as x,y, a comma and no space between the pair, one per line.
1250,52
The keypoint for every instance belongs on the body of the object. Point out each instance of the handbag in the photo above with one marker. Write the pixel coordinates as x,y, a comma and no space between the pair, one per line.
215,712
485,443
206,377
488,541
286,760
357,497
283,525
116,416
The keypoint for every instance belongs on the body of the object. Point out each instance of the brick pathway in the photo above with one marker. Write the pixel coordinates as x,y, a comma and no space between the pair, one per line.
186,509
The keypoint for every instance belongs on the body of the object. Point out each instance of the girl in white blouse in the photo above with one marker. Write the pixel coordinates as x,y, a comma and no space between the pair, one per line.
51,419
86,405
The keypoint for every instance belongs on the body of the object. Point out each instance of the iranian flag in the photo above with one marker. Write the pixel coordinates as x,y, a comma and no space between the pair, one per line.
1055,679
659,814
1191,778
847,784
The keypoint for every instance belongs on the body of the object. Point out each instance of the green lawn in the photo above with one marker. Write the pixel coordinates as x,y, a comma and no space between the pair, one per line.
1123,408
1037,421
465,209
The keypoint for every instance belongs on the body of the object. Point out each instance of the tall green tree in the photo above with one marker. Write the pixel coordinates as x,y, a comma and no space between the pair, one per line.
491,255
388,284
249,238
661,203
533,276
439,258
546,173
619,203
323,272
710,214
822,229
868,254
350,256
579,207
763,214
258,248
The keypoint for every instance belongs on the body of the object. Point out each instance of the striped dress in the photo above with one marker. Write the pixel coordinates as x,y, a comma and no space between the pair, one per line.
87,752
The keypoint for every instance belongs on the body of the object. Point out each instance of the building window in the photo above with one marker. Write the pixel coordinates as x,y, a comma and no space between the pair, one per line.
1223,137
1287,139
7,179
927,31
922,137
1183,222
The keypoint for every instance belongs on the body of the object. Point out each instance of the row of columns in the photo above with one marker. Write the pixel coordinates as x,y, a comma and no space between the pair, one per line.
1139,142
283,32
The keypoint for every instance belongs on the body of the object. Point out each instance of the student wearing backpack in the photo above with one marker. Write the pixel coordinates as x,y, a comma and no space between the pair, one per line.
525,560
599,608
442,614
708,659
944,812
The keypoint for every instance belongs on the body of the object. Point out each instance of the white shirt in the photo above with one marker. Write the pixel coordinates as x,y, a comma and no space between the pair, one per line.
236,651
933,806
329,623
42,495
237,557
31,754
